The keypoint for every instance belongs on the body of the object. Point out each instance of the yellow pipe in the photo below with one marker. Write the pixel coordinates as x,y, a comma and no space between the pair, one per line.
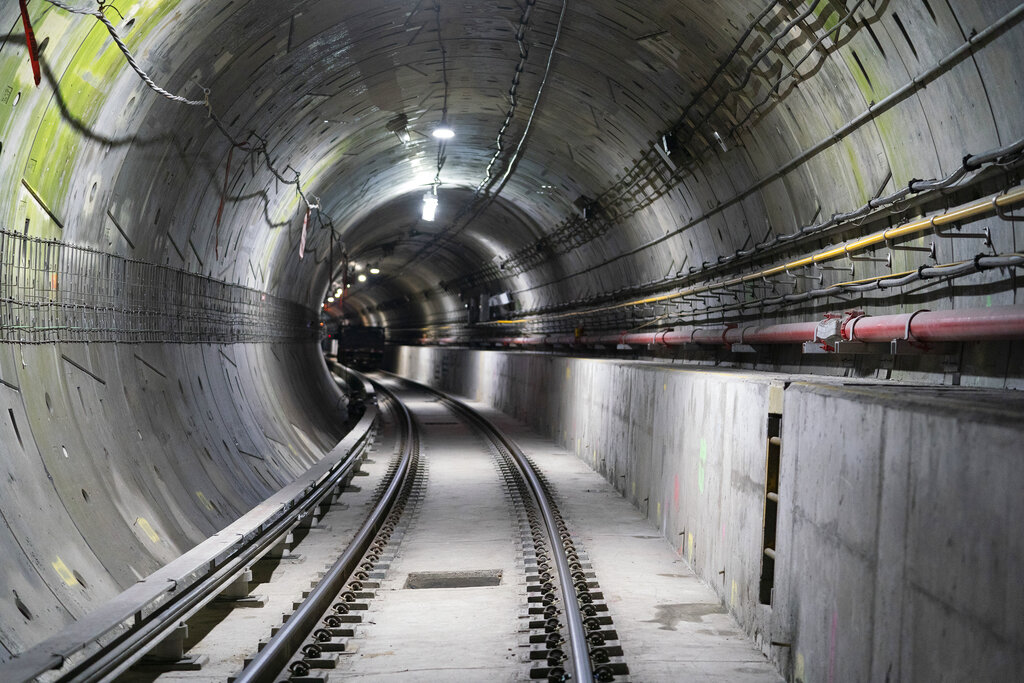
880,277
980,207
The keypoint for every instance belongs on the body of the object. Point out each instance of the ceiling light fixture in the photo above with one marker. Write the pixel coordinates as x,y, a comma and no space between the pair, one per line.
669,143
375,271
430,206
362,277
721,142
443,130
330,299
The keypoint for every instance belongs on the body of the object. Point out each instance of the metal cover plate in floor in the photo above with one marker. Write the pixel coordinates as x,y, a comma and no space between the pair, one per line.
461,579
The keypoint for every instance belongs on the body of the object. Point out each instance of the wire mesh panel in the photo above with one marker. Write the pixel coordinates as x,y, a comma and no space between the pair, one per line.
56,292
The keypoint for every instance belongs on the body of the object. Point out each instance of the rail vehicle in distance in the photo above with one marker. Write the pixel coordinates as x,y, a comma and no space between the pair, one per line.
358,347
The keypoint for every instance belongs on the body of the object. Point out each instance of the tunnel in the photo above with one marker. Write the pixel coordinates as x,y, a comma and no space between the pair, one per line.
754,265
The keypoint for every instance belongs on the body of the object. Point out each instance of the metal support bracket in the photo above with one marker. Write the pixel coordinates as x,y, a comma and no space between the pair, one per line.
237,592
812,347
283,550
843,348
169,654
951,369
985,234
855,347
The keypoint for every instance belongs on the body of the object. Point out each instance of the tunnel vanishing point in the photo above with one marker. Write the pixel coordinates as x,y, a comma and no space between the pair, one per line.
754,262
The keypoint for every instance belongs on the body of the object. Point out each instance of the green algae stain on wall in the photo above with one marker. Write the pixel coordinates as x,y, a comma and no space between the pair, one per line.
825,11
48,130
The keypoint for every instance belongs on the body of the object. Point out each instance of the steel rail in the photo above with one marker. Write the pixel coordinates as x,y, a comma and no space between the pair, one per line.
107,641
267,665
580,652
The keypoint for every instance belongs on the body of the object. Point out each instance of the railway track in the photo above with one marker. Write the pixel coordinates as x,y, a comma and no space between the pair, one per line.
574,632
566,632
322,623
560,628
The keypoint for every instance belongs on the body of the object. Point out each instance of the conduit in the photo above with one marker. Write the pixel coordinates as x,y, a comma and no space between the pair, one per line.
972,324
992,204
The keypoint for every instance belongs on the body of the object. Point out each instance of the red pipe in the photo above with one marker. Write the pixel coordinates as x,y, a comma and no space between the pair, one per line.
973,324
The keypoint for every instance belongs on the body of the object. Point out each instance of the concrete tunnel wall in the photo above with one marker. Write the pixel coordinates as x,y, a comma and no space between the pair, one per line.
93,159
118,457
897,556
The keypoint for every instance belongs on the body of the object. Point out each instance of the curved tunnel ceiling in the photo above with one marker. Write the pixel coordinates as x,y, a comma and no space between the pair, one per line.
746,89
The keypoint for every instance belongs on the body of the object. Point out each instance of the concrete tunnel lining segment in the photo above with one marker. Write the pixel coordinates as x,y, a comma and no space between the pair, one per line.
130,433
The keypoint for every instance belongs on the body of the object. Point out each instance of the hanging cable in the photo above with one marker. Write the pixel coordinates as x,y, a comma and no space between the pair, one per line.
1007,156
257,149
974,209
513,96
98,13
442,143
473,207
536,102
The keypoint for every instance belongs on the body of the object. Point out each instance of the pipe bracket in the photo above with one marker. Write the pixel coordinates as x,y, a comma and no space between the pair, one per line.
906,331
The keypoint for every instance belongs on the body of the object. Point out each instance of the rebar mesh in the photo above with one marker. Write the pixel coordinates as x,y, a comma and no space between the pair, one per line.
51,291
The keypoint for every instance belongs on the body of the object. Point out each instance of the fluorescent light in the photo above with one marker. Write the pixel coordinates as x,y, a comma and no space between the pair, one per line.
721,142
362,277
330,299
429,207
443,131
338,292
374,271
